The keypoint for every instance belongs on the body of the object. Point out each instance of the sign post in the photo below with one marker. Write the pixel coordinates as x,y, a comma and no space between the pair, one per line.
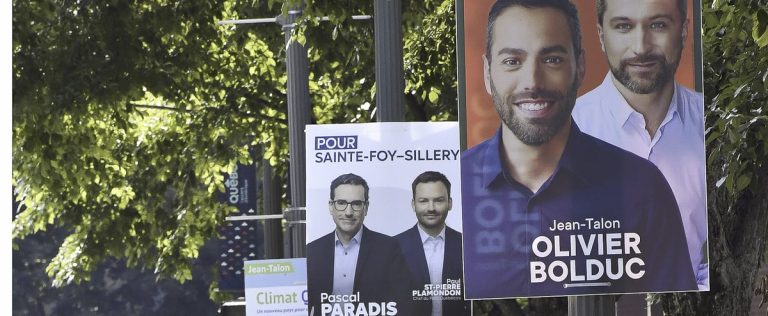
389,61
299,111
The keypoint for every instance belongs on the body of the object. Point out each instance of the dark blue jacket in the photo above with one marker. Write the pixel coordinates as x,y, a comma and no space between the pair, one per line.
380,275
413,251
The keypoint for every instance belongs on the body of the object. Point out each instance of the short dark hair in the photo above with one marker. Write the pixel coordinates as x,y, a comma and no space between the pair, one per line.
431,176
564,6
682,7
349,178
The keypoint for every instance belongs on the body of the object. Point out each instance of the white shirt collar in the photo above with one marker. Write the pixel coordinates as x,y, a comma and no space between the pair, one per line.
622,111
674,107
356,238
425,236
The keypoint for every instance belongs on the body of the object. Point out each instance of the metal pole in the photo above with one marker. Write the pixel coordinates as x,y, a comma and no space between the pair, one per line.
273,230
295,217
390,82
298,109
593,305
298,117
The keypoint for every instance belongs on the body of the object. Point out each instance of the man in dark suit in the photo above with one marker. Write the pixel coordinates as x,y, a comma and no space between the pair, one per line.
353,264
432,250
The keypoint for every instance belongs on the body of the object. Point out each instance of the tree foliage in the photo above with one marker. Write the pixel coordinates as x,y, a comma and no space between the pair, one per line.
429,32
127,113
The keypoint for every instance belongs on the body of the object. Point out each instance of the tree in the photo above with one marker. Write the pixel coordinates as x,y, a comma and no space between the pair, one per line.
126,114
88,158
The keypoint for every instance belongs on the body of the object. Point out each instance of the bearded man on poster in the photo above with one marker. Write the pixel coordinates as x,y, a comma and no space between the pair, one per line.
640,108
547,209
432,250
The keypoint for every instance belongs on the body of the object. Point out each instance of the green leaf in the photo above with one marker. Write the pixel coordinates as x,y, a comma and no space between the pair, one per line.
729,184
434,95
760,25
760,28
743,182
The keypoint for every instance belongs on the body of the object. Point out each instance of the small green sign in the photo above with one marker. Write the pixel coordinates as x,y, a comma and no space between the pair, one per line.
269,268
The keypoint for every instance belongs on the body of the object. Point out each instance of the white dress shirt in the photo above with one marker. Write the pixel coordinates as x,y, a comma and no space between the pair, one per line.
677,149
434,251
345,263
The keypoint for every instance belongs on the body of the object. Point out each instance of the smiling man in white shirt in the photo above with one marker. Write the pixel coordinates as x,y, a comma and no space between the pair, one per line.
432,250
640,108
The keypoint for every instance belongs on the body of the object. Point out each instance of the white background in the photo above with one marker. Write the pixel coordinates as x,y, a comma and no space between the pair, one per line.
389,211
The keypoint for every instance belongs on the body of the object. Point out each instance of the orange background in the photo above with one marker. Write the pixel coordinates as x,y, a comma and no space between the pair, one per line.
481,116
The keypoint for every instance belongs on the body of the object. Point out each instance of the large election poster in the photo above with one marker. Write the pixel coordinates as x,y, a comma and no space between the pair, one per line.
384,219
584,171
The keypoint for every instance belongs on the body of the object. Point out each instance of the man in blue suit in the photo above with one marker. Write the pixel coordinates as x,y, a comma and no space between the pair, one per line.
354,265
432,250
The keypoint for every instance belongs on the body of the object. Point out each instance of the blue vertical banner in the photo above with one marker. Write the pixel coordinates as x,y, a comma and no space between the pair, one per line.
241,238
240,187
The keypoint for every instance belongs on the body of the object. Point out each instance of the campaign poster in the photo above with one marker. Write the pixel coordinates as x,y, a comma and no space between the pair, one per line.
583,162
276,287
384,219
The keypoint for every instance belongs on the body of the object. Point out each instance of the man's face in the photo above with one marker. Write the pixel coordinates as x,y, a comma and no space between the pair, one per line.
348,220
643,40
533,72
431,204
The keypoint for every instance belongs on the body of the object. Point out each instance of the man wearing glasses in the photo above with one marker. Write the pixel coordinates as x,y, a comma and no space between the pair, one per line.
353,264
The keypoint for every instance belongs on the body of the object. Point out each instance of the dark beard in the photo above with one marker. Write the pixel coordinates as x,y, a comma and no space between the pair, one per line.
655,82
536,131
